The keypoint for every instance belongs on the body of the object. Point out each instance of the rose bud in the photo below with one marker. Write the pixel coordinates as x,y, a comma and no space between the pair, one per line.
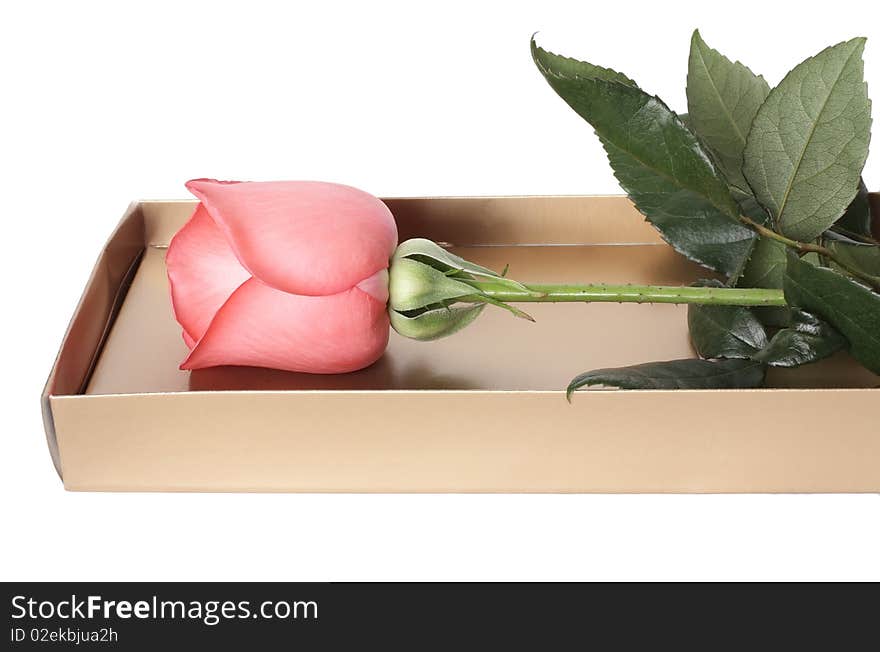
289,275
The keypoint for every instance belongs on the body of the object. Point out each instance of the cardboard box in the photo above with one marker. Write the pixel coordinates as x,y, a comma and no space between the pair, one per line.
482,411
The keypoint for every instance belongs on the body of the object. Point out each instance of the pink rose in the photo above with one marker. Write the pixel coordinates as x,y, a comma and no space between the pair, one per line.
290,275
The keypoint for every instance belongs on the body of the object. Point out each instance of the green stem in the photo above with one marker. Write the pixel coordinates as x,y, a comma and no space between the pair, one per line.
806,247
630,294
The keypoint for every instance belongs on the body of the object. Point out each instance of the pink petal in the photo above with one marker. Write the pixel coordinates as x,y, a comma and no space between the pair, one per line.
376,286
263,327
203,272
303,237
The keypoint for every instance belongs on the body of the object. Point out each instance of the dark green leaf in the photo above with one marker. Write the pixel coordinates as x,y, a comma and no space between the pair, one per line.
685,220
723,98
857,218
677,374
773,316
807,339
766,266
567,67
808,143
725,331
849,307
748,205
658,161
861,257
765,269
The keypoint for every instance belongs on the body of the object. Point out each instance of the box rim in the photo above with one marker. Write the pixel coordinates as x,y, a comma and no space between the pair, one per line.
472,392
47,394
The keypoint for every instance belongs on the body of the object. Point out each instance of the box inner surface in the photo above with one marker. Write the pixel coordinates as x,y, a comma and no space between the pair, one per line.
544,240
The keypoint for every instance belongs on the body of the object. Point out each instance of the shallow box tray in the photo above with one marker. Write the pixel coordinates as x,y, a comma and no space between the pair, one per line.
482,411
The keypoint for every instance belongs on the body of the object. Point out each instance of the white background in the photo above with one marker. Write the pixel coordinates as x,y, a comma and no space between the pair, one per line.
103,103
